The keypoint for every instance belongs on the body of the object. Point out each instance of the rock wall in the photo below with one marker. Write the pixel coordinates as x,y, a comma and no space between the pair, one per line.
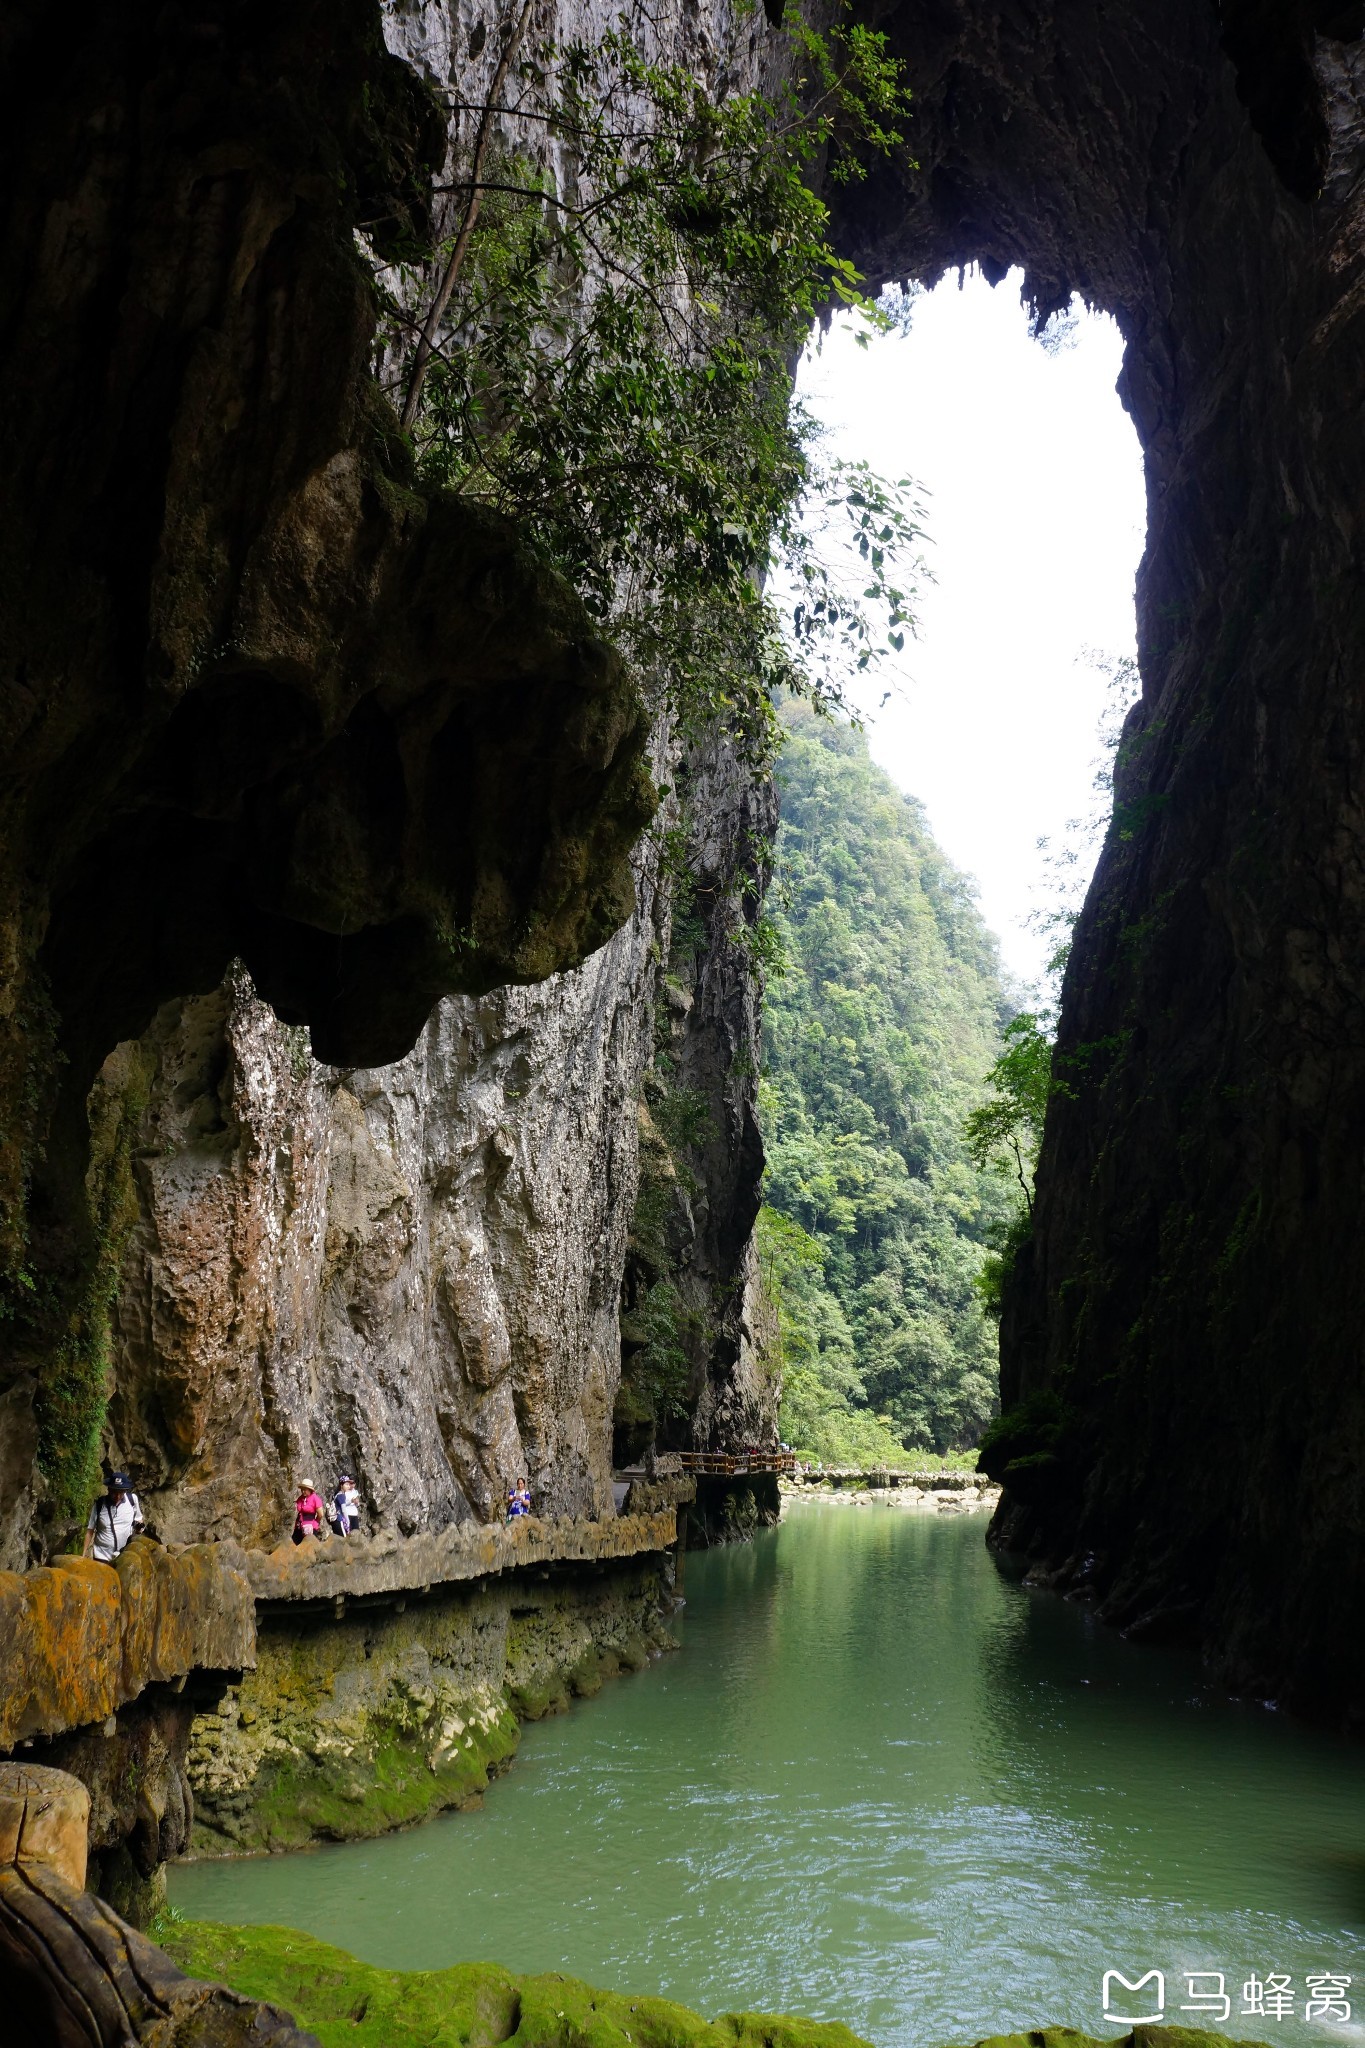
378,755
410,1274
84,1639
700,1361
94,1682
1181,1346
264,697
415,1273
349,1727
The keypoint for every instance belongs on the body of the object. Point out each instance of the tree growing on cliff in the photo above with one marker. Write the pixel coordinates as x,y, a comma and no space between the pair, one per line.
1005,1130
636,257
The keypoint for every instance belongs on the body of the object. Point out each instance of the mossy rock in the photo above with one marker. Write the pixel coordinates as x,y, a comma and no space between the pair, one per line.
534,1699
481,2005
588,1675
473,2005
347,1799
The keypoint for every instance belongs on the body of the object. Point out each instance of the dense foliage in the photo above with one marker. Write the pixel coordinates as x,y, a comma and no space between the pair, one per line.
878,1035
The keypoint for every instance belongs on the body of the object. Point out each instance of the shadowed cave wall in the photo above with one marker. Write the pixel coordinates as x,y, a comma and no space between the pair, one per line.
265,700
1181,1348
272,704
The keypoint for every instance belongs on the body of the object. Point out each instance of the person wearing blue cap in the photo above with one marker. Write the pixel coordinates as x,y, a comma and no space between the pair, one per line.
114,1521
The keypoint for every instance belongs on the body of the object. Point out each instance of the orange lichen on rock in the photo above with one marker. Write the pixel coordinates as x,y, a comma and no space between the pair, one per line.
83,1638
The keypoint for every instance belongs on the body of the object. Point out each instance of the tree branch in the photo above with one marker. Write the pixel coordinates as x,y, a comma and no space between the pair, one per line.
467,225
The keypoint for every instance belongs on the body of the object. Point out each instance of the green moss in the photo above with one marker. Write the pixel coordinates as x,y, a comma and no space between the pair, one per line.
474,2005
73,1389
1029,1448
481,2005
534,1698
339,1798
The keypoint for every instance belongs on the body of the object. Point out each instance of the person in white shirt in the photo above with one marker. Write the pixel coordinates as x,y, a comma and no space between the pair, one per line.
114,1521
347,1505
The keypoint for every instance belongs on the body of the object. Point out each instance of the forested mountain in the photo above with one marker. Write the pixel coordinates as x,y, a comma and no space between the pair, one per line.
877,1040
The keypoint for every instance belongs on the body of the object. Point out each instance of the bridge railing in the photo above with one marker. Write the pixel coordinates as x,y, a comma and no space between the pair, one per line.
736,1464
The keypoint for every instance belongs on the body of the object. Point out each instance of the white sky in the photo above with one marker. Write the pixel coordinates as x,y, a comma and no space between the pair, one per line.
1036,517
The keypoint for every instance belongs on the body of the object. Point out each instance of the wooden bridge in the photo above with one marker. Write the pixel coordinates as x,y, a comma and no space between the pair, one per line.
735,1464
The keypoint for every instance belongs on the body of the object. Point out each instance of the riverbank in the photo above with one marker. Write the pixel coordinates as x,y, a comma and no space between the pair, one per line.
375,1713
925,1493
220,1701
350,2004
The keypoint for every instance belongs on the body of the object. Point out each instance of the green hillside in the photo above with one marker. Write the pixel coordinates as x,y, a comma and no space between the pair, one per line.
877,1041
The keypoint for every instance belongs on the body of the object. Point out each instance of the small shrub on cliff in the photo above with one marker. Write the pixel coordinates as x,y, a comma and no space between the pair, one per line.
1004,1131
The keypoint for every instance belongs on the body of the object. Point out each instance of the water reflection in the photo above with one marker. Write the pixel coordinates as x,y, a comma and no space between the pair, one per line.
881,1784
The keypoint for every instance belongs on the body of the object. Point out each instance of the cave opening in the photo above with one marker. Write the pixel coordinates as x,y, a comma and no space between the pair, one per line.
1004,706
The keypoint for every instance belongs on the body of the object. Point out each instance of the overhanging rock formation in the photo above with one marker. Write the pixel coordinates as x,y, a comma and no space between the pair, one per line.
1181,1347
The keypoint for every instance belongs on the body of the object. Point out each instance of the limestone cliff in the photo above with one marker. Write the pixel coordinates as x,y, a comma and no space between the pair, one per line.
410,1273
273,701
415,1273
699,1360
265,700
1181,1345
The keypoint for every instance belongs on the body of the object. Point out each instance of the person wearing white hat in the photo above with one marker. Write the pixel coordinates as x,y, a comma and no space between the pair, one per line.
347,1505
307,1512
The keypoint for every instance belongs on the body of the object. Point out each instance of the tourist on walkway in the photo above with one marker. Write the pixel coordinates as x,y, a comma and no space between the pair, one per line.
308,1513
114,1521
518,1500
347,1505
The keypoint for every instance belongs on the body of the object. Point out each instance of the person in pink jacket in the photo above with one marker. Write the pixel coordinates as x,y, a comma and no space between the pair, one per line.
308,1513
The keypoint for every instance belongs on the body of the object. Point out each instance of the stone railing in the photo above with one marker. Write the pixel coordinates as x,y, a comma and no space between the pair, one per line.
74,1974
83,1639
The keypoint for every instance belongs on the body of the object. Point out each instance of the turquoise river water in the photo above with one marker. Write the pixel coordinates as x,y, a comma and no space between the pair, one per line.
882,1784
